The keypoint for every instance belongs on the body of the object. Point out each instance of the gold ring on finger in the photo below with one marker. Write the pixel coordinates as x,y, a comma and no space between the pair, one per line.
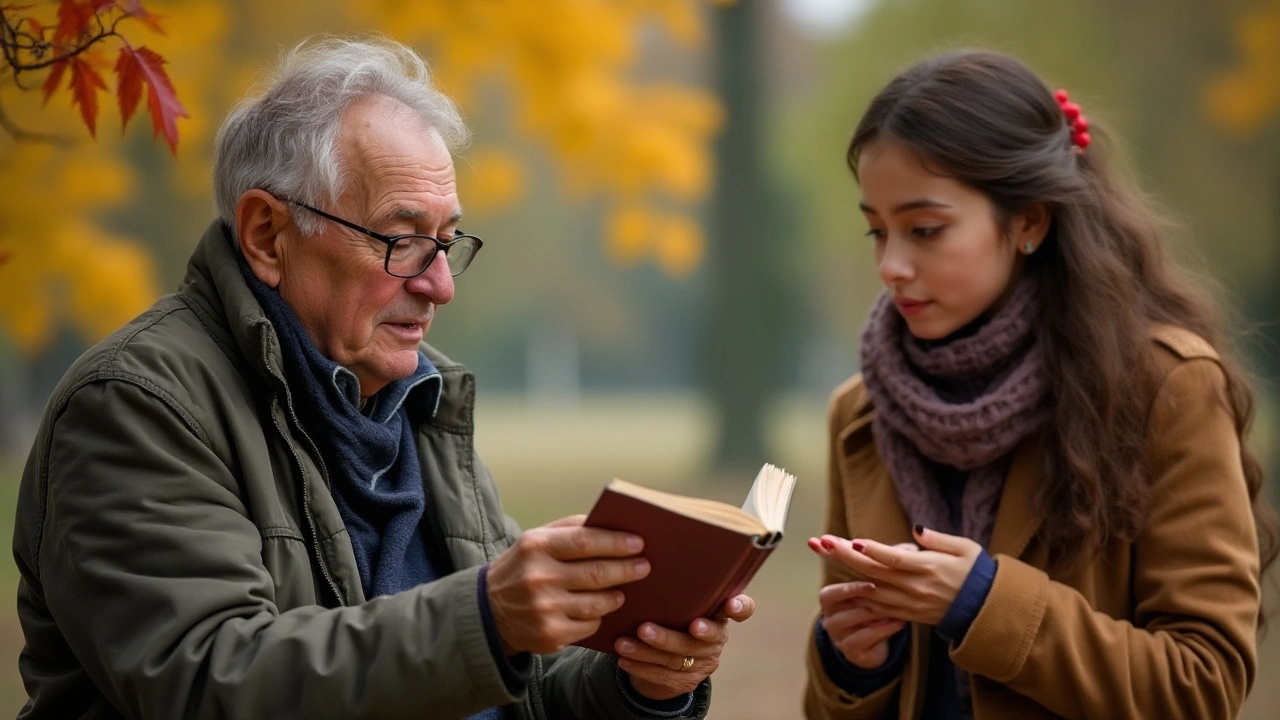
688,663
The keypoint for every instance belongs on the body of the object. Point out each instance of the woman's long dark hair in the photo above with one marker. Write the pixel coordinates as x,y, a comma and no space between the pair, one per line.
988,121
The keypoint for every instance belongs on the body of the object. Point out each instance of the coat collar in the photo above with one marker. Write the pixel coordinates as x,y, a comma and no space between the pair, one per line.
216,291
877,514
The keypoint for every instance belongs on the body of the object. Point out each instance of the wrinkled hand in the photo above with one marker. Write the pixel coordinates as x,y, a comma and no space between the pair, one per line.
859,633
654,659
551,587
911,586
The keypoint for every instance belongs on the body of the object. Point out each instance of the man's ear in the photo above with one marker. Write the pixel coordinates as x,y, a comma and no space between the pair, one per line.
1030,226
260,222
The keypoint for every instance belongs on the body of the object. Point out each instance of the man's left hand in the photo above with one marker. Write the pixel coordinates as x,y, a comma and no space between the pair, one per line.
657,660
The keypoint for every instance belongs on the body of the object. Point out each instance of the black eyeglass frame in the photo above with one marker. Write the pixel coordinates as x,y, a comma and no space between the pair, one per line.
391,241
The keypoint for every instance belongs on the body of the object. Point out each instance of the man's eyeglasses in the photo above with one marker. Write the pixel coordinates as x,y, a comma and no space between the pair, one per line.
411,254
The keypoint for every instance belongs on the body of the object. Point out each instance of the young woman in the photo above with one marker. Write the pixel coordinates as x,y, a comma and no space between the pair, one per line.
1041,504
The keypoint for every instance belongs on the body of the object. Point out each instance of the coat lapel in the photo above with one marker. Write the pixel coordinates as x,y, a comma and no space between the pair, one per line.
1016,519
875,511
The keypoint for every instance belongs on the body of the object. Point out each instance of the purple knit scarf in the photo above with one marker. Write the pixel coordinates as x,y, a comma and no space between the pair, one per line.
965,402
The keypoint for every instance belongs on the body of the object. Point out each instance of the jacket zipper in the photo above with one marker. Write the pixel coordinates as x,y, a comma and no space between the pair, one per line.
302,474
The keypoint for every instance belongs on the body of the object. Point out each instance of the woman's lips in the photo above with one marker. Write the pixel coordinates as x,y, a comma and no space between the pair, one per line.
909,307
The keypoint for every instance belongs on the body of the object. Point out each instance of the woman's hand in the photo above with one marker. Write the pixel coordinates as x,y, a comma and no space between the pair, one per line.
665,663
859,633
906,585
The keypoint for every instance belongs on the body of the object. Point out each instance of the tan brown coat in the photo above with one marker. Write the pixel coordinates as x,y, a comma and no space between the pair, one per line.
1163,627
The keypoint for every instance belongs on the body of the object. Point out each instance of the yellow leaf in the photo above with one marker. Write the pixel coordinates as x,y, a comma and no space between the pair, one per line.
679,245
629,233
490,178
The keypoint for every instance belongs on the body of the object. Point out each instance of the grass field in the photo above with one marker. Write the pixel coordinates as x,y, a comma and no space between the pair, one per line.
551,461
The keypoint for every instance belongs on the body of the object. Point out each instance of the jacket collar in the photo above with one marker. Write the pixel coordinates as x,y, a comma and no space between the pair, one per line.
215,290
877,513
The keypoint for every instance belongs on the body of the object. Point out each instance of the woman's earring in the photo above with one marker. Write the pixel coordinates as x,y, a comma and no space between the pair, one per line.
1028,248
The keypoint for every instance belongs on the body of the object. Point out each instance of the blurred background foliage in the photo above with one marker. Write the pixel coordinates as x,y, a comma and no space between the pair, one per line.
675,273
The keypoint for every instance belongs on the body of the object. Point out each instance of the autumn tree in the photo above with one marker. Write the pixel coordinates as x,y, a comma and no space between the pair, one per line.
58,266
744,351
66,50
71,49
638,148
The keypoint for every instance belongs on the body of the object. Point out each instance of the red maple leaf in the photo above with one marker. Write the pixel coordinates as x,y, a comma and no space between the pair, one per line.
73,20
85,84
134,9
55,78
129,85
136,67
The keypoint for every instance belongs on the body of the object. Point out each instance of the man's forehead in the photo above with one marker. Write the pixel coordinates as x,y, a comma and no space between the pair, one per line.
397,166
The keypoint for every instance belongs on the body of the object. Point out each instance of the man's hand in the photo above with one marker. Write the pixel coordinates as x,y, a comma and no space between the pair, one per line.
552,586
658,661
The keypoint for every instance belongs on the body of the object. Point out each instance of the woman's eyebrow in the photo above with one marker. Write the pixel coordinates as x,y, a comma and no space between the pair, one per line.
920,204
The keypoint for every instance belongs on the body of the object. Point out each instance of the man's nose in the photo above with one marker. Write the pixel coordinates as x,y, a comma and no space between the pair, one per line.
435,282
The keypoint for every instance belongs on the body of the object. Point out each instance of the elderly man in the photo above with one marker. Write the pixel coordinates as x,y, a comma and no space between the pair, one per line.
260,498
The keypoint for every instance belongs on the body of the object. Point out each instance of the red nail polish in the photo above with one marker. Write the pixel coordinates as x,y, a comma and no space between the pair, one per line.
828,544
858,545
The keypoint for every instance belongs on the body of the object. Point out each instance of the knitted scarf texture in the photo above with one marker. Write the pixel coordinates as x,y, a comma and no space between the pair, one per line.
964,402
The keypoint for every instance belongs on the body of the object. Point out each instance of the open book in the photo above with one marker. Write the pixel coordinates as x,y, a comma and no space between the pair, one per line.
701,552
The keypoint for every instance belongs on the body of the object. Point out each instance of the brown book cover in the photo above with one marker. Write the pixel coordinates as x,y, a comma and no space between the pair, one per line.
701,552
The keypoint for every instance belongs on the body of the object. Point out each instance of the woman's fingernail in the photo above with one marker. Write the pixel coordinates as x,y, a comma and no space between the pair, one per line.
919,529
815,545
858,545
828,544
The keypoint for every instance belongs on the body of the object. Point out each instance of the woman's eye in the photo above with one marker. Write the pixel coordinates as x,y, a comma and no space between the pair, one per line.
927,232
876,233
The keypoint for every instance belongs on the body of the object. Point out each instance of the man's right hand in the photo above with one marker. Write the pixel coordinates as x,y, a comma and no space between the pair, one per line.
551,587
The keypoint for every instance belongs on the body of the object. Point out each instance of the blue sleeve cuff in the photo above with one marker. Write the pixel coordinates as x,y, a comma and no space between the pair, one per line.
515,670
969,600
853,679
671,708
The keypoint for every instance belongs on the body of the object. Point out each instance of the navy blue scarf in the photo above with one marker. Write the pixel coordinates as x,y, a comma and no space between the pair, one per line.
370,457
372,463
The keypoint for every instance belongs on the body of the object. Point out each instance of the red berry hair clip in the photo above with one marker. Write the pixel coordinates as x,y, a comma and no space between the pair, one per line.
1076,120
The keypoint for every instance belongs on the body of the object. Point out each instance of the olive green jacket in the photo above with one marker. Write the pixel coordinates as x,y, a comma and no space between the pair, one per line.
181,555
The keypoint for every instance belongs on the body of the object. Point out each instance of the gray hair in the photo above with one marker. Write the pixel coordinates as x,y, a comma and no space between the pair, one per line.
283,140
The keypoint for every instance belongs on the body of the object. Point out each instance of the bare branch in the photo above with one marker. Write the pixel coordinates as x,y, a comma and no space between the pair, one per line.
10,44
20,135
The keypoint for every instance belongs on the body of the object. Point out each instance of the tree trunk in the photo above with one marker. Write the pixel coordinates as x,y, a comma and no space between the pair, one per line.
741,341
